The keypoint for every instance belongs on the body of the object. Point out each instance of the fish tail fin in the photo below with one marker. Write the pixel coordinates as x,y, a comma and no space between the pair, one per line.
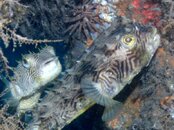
112,110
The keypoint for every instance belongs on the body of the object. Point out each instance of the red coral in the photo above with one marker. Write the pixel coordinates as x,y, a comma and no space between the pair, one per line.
145,12
140,11
136,3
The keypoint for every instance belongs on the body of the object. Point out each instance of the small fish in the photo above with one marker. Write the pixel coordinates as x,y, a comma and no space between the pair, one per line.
32,73
109,68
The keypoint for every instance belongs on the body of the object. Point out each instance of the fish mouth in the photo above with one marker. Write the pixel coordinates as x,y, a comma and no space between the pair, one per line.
154,35
50,70
153,40
51,60
154,31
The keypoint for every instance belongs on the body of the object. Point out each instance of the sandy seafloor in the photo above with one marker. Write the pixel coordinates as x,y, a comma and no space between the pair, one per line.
149,99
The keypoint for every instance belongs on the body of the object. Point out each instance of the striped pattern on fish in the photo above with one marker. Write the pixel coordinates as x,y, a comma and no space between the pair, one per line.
108,69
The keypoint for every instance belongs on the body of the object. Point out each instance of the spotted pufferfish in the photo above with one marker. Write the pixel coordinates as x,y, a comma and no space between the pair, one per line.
108,69
32,73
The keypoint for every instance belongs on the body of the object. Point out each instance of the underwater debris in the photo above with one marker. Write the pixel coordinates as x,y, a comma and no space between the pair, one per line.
107,10
9,122
168,104
169,25
170,9
130,110
68,107
11,10
166,101
122,7
168,37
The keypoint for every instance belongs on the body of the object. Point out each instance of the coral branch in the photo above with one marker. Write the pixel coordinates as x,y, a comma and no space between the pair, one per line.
7,35
4,64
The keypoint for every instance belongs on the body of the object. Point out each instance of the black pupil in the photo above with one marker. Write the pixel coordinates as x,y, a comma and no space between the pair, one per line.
25,61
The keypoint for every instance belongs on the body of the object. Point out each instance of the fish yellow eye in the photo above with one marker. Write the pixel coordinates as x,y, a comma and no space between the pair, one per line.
128,40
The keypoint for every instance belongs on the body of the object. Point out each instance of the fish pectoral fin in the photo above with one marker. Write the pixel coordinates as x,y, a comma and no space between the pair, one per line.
90,90
111,111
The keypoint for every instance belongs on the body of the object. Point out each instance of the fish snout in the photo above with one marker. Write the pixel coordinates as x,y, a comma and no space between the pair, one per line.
153,40
51,60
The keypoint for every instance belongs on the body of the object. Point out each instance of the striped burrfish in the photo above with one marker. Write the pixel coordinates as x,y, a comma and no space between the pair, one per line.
32,73
107,70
